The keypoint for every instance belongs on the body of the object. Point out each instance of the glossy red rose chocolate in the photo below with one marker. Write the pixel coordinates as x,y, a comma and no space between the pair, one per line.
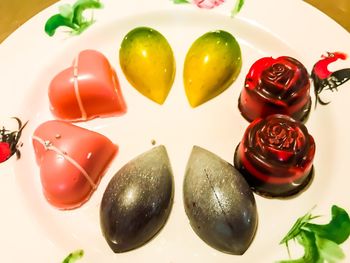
275,156
86,90
72,161
276,86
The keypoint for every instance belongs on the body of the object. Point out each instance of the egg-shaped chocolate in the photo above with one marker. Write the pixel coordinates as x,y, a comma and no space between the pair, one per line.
219,203
137,201
212,64
148,63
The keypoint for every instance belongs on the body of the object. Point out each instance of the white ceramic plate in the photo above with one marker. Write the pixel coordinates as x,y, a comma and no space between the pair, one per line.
31,230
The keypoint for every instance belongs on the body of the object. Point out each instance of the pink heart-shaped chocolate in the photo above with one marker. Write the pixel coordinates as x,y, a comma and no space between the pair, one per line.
86,90
72,161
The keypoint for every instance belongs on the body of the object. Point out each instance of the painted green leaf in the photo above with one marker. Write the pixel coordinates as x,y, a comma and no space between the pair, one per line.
72,17
57,21
337,230
311,254
181,1
320,242
297,227
66,11
74,256
329,250
237,8
80,6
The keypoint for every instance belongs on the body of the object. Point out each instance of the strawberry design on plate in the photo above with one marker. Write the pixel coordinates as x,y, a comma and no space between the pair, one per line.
72,161
9,141
87,89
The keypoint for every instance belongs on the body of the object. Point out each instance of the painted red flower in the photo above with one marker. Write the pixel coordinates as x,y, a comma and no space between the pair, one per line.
208,4
5,151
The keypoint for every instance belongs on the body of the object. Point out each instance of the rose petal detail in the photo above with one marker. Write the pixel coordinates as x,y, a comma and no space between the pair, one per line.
276,156
276,86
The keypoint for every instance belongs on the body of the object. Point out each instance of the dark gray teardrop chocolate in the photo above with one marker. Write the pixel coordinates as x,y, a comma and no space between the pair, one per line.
219,203
137,201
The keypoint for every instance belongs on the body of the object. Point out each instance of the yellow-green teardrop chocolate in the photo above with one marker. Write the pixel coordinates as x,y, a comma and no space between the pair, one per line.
148,63
212,64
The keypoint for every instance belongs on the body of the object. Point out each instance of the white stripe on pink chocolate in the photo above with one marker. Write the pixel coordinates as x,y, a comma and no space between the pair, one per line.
76,88
49,146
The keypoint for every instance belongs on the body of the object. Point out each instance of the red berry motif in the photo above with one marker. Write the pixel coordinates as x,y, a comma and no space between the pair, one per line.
5,151
9,141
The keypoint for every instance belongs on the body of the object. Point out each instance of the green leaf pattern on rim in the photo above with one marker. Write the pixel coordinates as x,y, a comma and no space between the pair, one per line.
320,242
74,256
237,8
72,17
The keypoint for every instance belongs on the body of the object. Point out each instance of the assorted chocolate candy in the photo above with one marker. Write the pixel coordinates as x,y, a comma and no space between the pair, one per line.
72,161
148,63
276,156
212,64
86,90
273,159
276,86
137,201
219,203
